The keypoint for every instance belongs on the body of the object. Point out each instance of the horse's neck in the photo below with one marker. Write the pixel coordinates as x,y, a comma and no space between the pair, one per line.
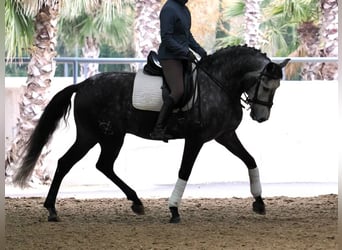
240,82
237,73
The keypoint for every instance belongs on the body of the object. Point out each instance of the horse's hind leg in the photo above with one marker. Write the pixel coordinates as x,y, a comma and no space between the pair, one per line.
65,163
233,144
110,148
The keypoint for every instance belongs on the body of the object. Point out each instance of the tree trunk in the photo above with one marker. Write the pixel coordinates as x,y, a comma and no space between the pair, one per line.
41,70
252,22
204,20
91,49
309,42
147,27
329,37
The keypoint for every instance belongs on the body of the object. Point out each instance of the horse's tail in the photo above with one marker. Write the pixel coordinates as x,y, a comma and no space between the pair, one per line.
58,107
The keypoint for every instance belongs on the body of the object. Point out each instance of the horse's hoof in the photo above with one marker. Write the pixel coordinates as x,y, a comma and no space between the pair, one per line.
175,219
138,209
53,218
259,208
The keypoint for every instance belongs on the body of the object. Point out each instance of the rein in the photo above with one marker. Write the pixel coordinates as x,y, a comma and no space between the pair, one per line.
214,79
247,100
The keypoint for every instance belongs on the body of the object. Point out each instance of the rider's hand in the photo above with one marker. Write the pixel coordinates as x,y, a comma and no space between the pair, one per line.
203,55
191,56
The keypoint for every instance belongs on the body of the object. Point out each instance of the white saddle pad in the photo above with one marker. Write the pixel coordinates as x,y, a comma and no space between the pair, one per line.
147,93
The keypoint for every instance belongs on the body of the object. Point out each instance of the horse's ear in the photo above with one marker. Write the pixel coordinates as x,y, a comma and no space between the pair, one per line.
273,70
284,63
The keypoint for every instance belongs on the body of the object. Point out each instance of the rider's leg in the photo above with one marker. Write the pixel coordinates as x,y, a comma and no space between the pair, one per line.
173,72
158,132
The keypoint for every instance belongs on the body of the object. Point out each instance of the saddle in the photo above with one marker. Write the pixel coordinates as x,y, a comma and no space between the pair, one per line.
153,68
150,88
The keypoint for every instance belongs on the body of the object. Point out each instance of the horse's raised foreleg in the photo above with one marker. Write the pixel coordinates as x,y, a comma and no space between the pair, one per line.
110,148
191,150
65,163
233,144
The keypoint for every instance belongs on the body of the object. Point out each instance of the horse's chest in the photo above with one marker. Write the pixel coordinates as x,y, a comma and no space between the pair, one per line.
221,115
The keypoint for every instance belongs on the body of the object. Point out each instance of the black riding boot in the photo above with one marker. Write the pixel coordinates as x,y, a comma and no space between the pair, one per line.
158,132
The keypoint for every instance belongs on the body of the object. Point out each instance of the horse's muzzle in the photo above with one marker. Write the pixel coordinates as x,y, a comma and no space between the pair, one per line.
258,118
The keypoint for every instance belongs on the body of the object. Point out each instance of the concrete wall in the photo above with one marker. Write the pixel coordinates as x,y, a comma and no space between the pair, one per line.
297,144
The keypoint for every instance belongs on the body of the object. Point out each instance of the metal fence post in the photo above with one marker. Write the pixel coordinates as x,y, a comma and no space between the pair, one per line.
75,70
66,69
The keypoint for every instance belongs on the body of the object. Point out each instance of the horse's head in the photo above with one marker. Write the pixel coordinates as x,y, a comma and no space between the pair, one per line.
261,93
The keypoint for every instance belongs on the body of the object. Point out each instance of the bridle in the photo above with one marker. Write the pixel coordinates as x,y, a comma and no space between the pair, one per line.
247,100
255,99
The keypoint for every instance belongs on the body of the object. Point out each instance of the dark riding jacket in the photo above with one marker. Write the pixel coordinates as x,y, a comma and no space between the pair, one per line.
176,37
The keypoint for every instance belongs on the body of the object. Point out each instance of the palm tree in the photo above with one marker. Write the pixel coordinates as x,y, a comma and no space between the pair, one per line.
239,23
91,49
302,17
42,66
314,28
96,28
329,36
205,19
230,29
252,22
19,29
40,72
146,26
287,27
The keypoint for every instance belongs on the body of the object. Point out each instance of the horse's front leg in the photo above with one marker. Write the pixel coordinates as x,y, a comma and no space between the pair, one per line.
233,144
191,150
254,180
110,148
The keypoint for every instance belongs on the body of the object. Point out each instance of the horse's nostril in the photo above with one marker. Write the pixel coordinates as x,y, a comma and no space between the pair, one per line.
261,119
258,119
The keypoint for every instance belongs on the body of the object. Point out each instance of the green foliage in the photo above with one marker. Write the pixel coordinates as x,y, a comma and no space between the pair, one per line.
19,28
235,9
106,51
115,32
230,40
279,23
226,33
16,70
111,22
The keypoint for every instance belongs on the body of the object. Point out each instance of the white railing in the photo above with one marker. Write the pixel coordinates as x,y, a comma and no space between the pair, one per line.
75,61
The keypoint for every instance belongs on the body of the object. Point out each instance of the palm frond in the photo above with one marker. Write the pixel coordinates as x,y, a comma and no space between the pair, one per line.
293,69
19,29
234,9
115,30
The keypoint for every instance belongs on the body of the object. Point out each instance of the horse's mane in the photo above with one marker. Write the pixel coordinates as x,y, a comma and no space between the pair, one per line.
236,59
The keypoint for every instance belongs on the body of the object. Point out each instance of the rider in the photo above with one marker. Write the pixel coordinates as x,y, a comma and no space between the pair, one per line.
174,52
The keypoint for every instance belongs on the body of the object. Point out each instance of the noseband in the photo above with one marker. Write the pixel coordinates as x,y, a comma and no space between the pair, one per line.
255,99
